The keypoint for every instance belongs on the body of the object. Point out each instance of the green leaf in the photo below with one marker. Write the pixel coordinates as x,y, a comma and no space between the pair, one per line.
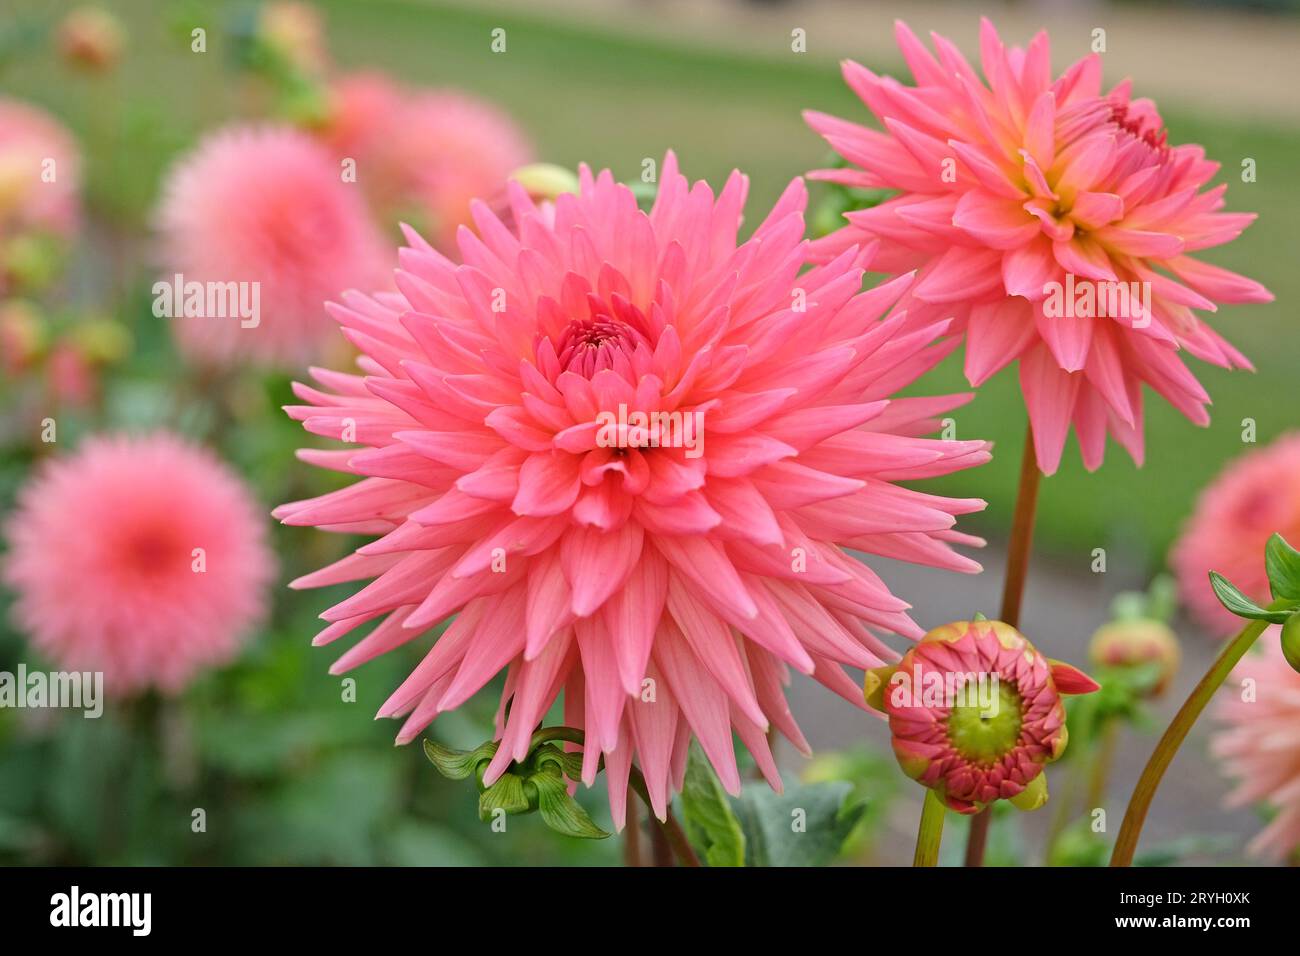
458,764
560,811
1240,605
506,794
710,823
805,826
1283,565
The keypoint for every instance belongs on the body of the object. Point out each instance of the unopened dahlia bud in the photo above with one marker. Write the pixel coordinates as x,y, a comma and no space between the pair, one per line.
294,32
545,181
91,38
1137,642
976,712
22,335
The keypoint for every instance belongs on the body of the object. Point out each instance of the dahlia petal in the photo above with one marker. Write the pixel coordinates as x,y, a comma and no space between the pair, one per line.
996,335
597,563
702,701
1050,394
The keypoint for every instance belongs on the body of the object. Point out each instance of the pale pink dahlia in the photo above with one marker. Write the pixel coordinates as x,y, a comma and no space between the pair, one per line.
423,154
1256,495
145,558
976,713
270,206
1025,204
40,175
508,467
1259,744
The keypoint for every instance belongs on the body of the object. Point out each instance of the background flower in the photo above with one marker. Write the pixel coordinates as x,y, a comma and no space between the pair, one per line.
1255,496
1259,745
423,154
585,567
40,179
102,558
268,205
1014,181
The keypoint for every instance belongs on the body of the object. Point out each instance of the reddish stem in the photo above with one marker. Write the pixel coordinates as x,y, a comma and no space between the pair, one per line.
1013,591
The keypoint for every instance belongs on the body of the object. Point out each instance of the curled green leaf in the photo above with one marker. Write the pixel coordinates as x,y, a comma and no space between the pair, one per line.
560,811
1236,602
458,764
507,794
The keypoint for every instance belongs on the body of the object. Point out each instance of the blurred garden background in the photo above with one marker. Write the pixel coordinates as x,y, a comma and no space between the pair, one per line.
287,770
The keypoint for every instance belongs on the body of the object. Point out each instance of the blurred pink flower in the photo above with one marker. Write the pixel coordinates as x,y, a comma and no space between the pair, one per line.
1013,182
1259,744
40,175
972,752
102,557
423,154
1256,495
265,205
505,469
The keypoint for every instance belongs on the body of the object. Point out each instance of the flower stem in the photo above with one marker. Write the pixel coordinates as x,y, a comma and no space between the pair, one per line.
1013,590
1131,829
669,828
632,836
930,831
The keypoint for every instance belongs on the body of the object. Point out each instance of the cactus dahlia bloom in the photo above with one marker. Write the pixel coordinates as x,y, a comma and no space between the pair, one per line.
1256,495
262,205
102,556
661,577
976,713
1259,744
1054,222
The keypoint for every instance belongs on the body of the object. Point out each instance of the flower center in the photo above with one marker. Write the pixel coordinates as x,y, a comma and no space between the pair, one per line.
984,731
590,345
1156,139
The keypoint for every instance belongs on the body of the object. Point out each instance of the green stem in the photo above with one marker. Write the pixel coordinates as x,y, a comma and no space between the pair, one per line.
930,831
1013,591
1102,760
1175,734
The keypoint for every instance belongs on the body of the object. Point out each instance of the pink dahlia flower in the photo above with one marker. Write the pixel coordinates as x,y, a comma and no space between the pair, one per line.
1259,744
1256,495
1054,222
104,557
423,155
976,713
40,173
269,206
660,573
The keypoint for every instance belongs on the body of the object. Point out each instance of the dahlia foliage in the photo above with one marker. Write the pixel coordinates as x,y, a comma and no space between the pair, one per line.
591,441
1055,223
